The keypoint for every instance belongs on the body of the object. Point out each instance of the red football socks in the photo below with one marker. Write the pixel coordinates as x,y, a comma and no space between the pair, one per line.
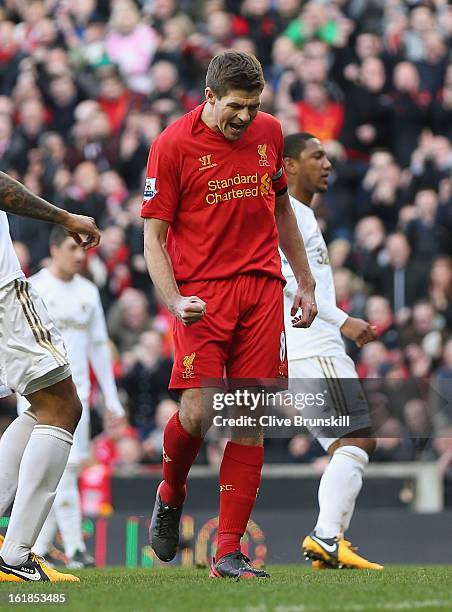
240,476
179,452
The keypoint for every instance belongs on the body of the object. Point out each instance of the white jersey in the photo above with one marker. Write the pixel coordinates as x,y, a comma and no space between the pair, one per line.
323,338
77,311
9,264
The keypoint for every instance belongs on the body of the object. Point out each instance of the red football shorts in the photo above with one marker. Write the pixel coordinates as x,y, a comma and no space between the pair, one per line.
241,336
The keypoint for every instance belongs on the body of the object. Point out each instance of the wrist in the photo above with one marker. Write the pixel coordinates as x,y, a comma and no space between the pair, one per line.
173,302
306,282
63,217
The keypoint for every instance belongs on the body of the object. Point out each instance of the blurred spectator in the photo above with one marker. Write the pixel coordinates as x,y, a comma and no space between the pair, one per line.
424,328
367,119
304,449
109,265
392,443
145,378
418,424
402,280
128,318
379,313
427,237
372,359
409,106
153,444
319,115
440,288
106,444
131,45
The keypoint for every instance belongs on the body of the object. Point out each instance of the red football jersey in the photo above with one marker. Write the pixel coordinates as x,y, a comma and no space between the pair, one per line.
218,196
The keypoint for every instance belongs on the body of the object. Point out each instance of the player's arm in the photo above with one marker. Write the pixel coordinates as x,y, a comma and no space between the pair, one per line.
17,199
292,245
358,330
99,356
189,309
100,359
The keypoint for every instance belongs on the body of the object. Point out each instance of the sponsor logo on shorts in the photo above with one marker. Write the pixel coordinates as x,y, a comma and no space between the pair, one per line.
188,365
166,459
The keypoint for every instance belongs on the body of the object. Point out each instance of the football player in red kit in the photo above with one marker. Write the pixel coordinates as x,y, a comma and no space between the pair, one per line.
215,201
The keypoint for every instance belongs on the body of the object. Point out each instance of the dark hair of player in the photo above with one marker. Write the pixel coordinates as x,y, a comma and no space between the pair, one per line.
57,236
294,144
231,70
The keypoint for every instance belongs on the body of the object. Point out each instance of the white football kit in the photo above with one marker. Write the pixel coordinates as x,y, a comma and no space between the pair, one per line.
32,355
77,311
317,357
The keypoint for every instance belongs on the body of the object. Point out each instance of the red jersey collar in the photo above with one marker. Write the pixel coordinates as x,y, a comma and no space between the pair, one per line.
198,124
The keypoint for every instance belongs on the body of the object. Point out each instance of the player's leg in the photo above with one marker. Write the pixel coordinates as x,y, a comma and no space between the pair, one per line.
342,480
257,353
341,483
57,409
34,363
12,446
182,440
46,537
67,504
200,355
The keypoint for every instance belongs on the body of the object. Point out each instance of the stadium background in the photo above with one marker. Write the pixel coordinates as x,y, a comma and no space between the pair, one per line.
86,86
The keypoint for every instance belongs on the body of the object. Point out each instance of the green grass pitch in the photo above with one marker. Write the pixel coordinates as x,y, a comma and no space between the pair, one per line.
291,589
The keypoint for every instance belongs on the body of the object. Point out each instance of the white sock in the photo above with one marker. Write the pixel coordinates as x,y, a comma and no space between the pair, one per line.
68,511
42,465
46,537
338,490
12,446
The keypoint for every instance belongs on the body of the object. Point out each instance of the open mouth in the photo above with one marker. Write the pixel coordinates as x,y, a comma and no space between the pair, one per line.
237,128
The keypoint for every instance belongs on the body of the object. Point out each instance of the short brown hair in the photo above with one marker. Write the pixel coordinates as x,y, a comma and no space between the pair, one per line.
234,70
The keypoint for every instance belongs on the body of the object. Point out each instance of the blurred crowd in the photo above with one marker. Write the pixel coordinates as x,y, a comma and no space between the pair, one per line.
85,88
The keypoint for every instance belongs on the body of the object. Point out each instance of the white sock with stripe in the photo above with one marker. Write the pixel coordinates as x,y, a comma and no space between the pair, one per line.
12,446
41,468
338,490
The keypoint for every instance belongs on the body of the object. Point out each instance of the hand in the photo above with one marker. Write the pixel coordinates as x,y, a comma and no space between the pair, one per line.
83,230
115,409
305,300
358,330
115,420
189,310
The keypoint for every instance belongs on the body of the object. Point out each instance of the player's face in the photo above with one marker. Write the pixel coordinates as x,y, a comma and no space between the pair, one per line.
314,167
69,257
235,111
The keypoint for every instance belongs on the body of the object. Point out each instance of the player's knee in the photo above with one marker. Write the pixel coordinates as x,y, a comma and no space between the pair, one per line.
369,445
192,419
75,409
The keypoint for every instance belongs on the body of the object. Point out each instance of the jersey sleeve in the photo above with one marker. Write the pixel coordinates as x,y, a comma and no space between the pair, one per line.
98,328
279,179
162,185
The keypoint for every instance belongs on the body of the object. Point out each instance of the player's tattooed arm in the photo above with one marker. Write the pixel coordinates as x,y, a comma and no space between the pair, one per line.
17,199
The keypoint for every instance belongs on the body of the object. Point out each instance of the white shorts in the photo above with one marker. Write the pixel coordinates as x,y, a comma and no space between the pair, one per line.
32,352
342,397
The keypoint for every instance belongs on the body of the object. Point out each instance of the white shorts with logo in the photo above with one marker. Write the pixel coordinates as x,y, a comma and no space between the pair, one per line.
32,352
337,381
